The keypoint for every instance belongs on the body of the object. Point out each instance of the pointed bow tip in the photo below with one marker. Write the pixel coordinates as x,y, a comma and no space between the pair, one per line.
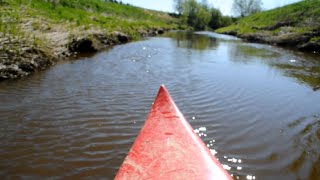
163,87
163,91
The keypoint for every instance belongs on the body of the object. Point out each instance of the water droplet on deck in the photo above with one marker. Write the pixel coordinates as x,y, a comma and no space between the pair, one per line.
250,177
292,60
239,168
226,167
193,117
234,160
213,151
203,129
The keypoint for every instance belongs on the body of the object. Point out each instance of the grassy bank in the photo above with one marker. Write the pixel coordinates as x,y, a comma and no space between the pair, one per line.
296,25
47,31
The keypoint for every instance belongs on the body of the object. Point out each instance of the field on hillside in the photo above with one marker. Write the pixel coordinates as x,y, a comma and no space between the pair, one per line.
81,13
303,16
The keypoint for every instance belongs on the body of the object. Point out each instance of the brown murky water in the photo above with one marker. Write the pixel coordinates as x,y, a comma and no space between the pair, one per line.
255,105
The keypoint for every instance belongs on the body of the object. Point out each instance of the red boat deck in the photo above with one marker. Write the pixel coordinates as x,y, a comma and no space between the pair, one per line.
167,148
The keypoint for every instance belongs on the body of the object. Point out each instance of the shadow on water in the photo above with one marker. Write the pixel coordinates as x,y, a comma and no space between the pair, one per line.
192,40
305,68
306,141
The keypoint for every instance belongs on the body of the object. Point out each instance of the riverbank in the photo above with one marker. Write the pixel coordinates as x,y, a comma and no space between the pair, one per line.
296,25
36,34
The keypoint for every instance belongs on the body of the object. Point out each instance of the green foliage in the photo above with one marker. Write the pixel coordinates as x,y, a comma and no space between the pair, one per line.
178,6
215,21
246,7
197,16
200,15
89,13
303,16
315,39
226,21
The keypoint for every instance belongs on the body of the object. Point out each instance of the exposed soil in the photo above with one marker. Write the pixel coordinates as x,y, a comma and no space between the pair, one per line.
21,56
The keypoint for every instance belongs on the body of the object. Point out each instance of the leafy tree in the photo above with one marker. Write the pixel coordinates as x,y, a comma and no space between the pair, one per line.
196,15
178,6
205,5
202,19
246,7
200,15
226,21
215,20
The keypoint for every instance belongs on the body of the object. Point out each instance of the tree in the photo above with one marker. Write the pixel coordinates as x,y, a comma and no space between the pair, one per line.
196,15
200,15
178,6
246,7
205,5
215,20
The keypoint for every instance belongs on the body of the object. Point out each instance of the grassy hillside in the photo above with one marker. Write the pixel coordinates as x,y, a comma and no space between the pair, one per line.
38,29
293,25
87,13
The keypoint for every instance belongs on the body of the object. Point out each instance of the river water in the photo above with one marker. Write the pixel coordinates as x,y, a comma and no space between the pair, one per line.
255,105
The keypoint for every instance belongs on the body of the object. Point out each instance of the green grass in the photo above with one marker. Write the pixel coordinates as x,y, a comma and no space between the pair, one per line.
86,13
315,39
303,15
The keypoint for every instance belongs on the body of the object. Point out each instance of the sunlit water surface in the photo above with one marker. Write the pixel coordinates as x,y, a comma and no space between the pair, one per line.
255,106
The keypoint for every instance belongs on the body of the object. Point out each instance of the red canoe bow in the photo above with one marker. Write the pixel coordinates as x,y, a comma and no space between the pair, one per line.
168,148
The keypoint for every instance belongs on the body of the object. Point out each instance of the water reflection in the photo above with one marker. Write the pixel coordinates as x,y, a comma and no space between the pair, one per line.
245,53
306,72
80,118
192,40
305,68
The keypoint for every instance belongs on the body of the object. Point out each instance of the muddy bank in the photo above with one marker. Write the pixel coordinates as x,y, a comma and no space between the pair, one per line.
21,56
286,37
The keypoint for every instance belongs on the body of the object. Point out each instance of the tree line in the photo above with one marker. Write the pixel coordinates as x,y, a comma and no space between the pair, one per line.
200,15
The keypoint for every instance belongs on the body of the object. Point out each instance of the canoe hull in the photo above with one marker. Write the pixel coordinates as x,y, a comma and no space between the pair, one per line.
168,148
